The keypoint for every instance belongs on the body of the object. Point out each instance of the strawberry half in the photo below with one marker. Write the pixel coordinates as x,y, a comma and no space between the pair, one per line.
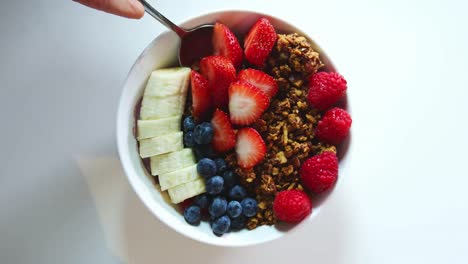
220,73
201,100
259,42
250,148
246,103
259,79
226,44
224,137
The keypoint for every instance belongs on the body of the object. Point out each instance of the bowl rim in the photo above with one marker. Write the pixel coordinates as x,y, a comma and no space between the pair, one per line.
122,135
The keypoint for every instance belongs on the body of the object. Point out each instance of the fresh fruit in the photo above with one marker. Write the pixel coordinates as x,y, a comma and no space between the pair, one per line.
204,151
259,42
172,161
161,107
334,126
154,128
320,172
259,79
250,148
246,103
220,165
186,190
206,167
221,225
178,177
214,185
292,206
189,124
237,193
230,179
203,133
192,215
189,140
224,137
217,207
249,207
226,44
325,89
161,145
220,73
202,200
234,209
165,82
238,223
201,98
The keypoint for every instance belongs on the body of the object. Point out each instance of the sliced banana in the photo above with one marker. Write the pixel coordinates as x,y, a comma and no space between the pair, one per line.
187,190
161,145
172,161
161,107
159,127
165,82
178,177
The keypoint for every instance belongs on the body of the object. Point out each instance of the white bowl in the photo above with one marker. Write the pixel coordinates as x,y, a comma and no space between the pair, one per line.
160,53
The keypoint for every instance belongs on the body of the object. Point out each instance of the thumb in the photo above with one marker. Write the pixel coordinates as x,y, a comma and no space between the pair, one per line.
125,8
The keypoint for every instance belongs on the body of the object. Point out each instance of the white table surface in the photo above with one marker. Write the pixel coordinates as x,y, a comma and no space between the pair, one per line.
64,197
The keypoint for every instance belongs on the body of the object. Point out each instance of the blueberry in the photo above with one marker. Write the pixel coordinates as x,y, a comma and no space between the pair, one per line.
230,179
217,207
234,209
206,167
192,215
238,223
204,151
214,185
221,165
249,207
188,124
203,133
189,141
237,193
221,225
202,200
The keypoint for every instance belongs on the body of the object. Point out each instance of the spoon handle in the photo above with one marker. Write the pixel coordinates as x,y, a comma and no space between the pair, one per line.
158,16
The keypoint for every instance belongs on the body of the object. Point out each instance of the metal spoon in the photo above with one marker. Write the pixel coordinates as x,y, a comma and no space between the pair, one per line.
195,43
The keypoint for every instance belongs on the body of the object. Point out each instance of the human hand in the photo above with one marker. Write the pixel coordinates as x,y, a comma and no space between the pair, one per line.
125,8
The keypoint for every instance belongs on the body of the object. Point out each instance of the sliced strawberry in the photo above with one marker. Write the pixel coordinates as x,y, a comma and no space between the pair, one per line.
226,44
259,79
259,42
250,148
246,103
201,100
224,137
220,73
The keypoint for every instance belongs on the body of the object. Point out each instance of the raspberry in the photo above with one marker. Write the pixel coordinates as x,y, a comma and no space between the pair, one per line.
334,126
319,173
325,89
292,206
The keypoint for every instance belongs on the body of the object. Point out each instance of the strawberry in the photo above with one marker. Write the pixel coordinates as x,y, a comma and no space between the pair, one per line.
250,148
226,44
259,42
220,74
224,137
201,100
259,79
246,103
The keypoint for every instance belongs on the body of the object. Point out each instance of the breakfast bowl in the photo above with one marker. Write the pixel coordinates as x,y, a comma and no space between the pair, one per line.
162,53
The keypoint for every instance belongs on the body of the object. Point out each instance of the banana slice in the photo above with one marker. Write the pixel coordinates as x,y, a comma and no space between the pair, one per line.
178,177
154,128
162,107
165,82
173,161
161,145
187,190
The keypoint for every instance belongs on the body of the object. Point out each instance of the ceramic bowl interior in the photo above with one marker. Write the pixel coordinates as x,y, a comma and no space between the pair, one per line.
161,53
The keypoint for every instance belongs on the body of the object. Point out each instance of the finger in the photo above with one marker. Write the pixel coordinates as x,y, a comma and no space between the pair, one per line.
125,8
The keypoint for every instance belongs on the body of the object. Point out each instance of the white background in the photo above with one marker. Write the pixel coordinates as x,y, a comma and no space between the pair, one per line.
64,197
